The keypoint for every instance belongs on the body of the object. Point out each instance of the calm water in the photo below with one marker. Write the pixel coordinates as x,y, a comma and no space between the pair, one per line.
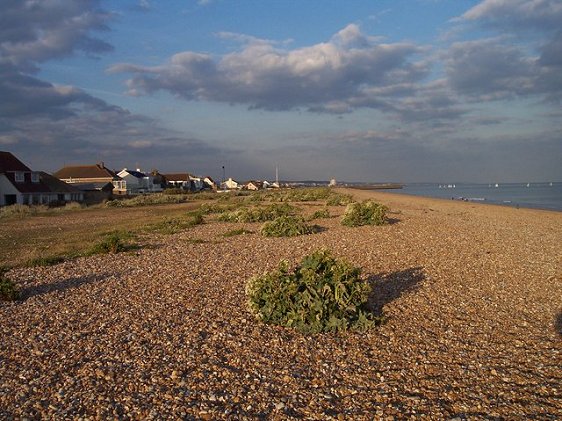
536,195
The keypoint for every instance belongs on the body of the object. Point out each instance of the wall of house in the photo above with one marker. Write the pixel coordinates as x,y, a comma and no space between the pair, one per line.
6,187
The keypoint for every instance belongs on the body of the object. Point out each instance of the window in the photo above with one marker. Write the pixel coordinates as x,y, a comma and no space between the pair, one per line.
19,177
35,177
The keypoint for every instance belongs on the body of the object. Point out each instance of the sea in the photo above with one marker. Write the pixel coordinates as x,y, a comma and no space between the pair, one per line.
526,195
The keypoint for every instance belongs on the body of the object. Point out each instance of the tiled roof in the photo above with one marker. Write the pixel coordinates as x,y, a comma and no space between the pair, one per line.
85,171
136,174
177,177
8,162
27,186
99,186
55,185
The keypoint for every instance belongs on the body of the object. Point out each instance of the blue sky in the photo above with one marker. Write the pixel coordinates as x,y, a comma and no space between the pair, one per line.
426,90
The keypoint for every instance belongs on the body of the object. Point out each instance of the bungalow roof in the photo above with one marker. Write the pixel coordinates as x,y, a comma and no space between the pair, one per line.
85,171
8,162
55,185
177,176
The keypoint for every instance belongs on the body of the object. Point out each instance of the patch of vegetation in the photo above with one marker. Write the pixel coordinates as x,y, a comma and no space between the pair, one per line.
170,226
112,243
195,241
339,199
308,194
214,208
46,261
235,232
174,191
148,200
322,294
258,213
16,211
8,290
365,213
319,214
286,226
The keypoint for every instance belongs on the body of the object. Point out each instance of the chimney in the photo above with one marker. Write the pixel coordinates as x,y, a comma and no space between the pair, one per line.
101,164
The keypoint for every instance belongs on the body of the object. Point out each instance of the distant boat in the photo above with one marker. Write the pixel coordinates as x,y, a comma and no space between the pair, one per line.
550,184
497,185
528,184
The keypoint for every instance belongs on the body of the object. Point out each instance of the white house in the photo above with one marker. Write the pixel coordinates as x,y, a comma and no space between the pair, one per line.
20,185
231,184
138,182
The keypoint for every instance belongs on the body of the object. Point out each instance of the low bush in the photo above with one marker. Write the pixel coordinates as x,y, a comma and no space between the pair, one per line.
365,213
210,208
45,261
321,294
148,200
235,232
174,191
8,290
307,194
258,213
16,211
112,243
174,225
286,226
321,213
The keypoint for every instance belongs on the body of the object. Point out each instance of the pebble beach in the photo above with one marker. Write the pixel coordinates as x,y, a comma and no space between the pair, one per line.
471,295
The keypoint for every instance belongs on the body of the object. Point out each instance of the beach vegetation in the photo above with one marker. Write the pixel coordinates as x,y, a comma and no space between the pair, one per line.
46,261
320,214
8,289
258,213
238,231
148,200
113,243
286,226
364,213
321,294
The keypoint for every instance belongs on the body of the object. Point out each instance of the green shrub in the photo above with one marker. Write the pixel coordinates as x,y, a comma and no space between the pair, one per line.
45,261
365,213
174,191
239,231
113,243
210,208
339,199
286,226
306,194
149,200
321,213
258,213
170,226
8,290
321,294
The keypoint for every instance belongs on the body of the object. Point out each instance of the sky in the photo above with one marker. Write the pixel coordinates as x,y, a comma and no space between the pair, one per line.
377,91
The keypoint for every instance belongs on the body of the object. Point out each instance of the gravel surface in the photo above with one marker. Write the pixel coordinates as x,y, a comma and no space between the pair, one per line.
472,295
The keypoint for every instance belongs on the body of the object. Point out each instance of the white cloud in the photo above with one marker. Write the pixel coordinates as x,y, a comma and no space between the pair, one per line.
518,14
328,76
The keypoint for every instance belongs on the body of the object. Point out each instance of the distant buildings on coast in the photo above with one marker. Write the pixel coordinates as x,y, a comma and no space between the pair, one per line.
94,183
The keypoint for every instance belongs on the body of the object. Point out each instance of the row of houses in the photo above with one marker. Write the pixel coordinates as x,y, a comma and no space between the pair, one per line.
95,183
